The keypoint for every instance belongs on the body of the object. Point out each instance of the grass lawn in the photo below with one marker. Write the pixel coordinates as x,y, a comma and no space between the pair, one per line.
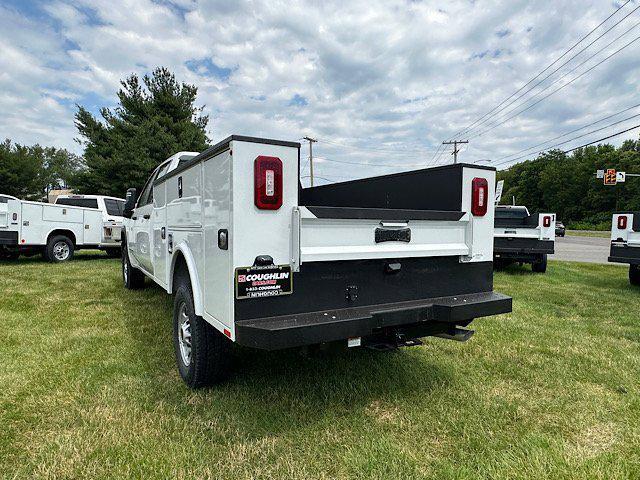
88,389
588,233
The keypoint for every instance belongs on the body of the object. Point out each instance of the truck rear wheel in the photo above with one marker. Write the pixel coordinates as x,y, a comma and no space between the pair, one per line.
202,352
540,265
132,278
634,274
59,249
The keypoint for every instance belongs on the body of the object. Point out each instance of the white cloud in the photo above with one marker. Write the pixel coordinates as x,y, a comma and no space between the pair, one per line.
392,79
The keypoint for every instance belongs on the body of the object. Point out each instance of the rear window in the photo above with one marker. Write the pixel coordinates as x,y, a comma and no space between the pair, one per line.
4,199
78,202
114,207
511,213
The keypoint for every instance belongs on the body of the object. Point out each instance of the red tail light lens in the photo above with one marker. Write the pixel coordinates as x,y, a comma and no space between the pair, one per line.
622,222
546,221
267,177
479,196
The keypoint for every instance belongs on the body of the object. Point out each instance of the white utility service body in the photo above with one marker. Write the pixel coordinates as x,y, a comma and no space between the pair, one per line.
522,237
625,243
28,227
272,265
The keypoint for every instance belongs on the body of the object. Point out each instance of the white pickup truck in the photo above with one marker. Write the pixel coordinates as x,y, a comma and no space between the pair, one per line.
523,238
254,258
625,243
57,230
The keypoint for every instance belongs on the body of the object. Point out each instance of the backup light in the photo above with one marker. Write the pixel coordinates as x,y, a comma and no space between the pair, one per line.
267,178
479,196
622,222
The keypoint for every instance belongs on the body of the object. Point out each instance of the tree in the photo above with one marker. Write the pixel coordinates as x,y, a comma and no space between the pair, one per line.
566,184
29,172
153,121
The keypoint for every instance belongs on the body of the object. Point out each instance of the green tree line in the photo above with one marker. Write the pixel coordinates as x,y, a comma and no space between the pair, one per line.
30,172
566,184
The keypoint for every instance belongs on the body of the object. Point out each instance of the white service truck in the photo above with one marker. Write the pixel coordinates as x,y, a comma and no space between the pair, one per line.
254,258
520,237
56,230
625,243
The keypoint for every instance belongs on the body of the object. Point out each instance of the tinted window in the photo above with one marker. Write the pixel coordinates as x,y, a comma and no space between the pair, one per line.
78,202
146,197
4,199
114,207
511,213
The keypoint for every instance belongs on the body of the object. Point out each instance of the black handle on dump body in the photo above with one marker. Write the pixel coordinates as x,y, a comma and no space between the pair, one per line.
393,235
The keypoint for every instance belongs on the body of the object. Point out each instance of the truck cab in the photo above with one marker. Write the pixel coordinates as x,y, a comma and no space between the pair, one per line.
520,237
625,243
253,258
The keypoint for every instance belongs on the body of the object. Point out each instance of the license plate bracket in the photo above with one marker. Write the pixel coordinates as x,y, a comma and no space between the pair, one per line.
263,281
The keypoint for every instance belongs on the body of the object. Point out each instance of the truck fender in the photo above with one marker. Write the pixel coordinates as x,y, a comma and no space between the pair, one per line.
183,249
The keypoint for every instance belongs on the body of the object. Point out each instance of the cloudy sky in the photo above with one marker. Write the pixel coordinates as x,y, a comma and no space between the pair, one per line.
379,83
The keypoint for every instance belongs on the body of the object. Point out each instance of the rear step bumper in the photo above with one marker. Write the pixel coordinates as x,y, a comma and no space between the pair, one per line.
513,246
415,318
624,254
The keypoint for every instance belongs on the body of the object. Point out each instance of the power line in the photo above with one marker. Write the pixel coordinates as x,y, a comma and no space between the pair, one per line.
569,132
602,139
570,140
370,164
374,149
558,89
544,70
558,68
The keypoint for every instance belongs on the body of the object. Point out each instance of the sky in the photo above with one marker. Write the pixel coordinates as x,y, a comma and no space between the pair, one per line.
380,84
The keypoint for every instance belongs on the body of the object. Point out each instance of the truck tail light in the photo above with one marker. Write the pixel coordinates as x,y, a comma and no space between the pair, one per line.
622,222
479,196
267,178
14,216
546,221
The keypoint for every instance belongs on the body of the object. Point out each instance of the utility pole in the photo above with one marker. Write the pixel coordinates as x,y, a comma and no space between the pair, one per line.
311,142
455,148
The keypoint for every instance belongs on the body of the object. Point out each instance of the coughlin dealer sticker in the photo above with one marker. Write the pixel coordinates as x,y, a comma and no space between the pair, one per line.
267,281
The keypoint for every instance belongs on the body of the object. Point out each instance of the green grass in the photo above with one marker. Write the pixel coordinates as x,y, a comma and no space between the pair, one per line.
88,389
588,233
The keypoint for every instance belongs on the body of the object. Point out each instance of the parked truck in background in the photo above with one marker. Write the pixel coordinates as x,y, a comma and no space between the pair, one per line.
57,230
252,257
625,243
520,237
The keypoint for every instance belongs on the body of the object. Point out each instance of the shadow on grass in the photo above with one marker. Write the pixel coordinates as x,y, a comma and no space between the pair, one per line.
82,255
270,392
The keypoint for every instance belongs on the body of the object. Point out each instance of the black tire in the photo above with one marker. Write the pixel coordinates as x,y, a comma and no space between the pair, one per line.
59,249
114,252
634,274
540,265
208,360
132,278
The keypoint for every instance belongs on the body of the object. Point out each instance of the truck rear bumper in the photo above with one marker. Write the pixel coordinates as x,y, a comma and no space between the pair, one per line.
624,254
417,318
514,247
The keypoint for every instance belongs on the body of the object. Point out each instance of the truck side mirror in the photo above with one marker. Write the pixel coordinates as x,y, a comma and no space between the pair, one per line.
130,202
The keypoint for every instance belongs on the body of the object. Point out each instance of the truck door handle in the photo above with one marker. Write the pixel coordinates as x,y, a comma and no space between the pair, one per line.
146,217
134,218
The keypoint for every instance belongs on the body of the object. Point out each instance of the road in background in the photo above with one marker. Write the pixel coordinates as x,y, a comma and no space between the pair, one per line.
581,249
